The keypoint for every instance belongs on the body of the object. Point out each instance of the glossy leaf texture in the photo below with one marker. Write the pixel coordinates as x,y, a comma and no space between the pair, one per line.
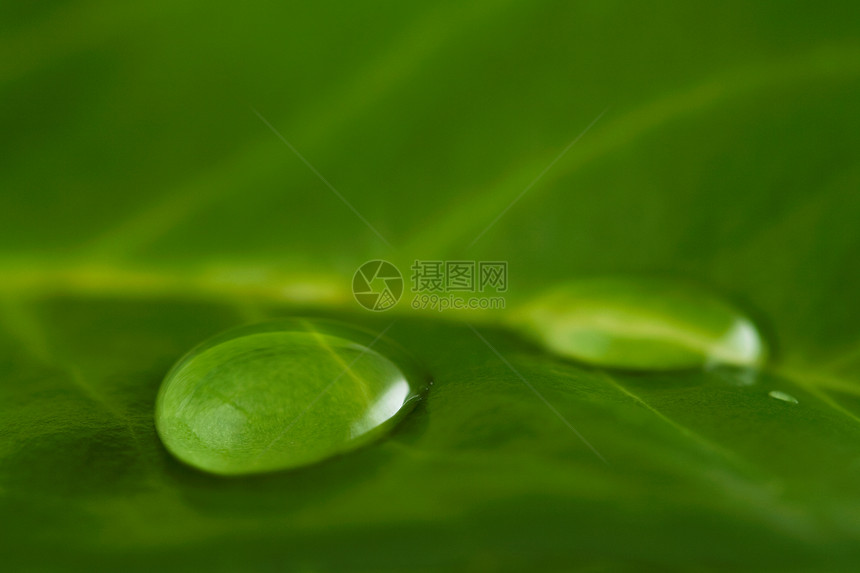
145,207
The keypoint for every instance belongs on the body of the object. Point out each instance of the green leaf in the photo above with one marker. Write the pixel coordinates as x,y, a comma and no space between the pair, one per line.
146,207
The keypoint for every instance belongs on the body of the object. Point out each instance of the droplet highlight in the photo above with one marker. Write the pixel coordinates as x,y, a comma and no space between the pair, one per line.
782,396
641,324
284,394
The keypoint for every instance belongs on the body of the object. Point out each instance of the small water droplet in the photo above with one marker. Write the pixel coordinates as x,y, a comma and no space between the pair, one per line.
641,324
283,394
782,396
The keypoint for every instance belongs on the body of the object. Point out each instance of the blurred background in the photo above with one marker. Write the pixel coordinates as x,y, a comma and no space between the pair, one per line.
727,151
148,199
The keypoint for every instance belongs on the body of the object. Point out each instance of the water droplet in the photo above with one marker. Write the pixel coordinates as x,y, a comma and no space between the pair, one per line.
283,394
641,324
782,396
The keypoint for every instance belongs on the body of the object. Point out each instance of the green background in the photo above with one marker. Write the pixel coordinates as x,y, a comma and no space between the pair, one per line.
144,206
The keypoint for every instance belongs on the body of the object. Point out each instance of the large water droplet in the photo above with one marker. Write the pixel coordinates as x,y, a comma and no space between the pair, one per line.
784,396
643,324
283,394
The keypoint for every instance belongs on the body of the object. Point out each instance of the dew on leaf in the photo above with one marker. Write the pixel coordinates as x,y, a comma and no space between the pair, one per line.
283,394
641,324
779,395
